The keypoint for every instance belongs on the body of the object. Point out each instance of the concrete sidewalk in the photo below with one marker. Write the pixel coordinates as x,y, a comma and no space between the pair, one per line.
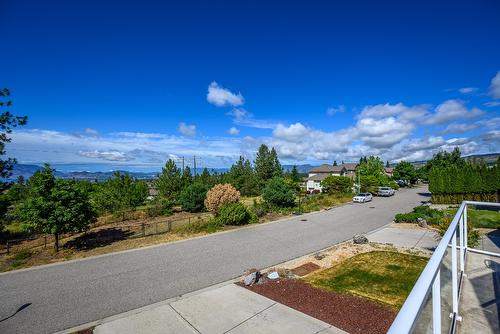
421,238
223,309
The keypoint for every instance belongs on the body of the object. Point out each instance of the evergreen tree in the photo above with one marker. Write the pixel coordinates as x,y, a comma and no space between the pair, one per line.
186,178
277,169
7,122
168,183
294,174
264,163
335,162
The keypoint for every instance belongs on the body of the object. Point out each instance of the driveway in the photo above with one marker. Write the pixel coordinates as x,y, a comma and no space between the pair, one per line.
68,294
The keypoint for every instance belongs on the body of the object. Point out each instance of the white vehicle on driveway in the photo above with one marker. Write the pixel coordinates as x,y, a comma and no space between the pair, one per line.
362,198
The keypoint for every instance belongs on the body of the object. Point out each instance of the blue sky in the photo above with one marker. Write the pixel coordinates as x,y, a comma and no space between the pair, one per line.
134,83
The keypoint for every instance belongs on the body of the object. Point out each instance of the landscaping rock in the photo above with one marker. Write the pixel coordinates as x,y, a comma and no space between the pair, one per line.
318,256
273,275
422,222
252,278
360,239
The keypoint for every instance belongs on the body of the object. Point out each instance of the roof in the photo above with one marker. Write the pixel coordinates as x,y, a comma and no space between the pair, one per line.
325,168
350,166
318,177
388,169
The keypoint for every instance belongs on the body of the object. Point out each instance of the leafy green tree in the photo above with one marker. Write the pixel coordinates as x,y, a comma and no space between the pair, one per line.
8,121
193,196
337,184
168,183
278,193
120,192
371,166
267,164
405,171
55,206
369,183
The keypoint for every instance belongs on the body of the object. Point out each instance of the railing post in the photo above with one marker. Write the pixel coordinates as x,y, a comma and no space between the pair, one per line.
436,304
465,226
462,245
454,276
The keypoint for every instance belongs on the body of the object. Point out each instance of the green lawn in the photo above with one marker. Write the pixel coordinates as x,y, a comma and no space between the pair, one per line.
481,218
382,276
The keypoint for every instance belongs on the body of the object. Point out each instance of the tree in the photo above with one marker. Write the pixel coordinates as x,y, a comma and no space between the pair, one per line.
387,165
337,184
242,177
267,164
235,214
294,174
8,121
205,178
335,162
193,196
120,192
168,183
405,171
219,195
369,183
55,206
186,178
277,193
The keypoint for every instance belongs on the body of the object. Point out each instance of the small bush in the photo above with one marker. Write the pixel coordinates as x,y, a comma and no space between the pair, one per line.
410,217
160,207
235,214
219,195
192,197
277,193
432,216
473,236
210,226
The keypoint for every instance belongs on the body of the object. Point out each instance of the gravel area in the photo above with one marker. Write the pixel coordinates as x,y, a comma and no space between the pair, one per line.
349,313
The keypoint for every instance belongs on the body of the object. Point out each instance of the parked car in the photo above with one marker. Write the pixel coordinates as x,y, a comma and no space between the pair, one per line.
362,198
402,183
385,191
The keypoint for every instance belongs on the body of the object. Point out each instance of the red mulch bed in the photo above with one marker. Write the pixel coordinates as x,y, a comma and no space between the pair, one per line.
350,313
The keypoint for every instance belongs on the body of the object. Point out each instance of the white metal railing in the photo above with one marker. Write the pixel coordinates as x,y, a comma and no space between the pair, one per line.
418,314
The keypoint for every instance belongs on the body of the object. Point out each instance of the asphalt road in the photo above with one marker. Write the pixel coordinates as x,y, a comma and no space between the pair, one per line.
73,293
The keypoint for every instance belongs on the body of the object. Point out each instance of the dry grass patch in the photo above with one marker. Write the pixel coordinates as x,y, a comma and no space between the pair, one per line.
381,276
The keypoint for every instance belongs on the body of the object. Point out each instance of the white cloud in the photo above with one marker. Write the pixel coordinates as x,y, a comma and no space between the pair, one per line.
91,132
333,111
467,90
492,103
495,86
106,155
245,118
187,130
233,131
398,110
460,127
452,110
221,97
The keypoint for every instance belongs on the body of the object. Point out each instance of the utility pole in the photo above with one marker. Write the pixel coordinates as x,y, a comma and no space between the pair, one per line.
194,165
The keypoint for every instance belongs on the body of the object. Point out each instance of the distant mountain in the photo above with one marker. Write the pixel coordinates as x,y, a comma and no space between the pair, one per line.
303,169
489,158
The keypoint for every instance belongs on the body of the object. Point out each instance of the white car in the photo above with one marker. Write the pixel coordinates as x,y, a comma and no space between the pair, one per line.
362,198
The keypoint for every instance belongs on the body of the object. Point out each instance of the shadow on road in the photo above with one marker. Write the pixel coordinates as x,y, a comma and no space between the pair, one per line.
17,311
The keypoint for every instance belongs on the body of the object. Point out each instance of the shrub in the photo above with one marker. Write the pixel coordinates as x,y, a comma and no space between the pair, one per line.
473,236
192,197
277,193
160,207
235,214
394,185
219,195
407,217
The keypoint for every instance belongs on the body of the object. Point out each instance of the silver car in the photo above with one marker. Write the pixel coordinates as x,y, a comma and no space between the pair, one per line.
362,198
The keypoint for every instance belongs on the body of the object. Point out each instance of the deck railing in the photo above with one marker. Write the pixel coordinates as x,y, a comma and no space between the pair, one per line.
433,304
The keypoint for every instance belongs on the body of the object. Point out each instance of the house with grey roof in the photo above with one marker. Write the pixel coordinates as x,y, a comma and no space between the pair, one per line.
319,173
